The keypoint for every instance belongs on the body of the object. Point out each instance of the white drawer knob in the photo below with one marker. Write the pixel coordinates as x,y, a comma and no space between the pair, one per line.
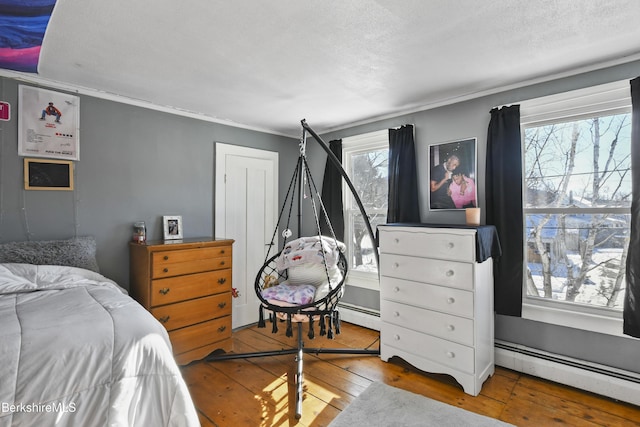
451,245
449,273
451,300
396,265
396,337
451,354
396,289
451,328
396,314
396,240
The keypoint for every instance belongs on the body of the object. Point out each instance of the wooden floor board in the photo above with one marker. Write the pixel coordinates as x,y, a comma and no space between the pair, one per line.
261,391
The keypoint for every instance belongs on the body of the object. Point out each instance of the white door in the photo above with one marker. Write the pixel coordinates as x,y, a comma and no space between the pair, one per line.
246,209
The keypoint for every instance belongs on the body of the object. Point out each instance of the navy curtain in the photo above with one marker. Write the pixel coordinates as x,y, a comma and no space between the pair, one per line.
403,203
504,206
631,314
332,194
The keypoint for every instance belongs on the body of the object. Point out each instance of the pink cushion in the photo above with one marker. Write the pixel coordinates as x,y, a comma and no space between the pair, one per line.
293,294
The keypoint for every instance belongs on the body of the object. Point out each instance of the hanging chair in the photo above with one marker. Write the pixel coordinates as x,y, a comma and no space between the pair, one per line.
309,271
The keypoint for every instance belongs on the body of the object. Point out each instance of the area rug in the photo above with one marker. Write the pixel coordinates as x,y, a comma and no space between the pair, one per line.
381,405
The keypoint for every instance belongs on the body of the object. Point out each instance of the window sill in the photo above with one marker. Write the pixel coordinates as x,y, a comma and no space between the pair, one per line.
364,280
573,319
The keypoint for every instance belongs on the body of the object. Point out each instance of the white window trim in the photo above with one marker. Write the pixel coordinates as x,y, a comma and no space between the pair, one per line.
611,98
350,145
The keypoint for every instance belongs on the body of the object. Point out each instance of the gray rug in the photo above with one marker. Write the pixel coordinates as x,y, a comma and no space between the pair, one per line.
384,406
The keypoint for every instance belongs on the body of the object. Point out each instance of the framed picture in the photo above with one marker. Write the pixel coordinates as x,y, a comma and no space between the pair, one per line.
48,124
452,175
172,227
42,174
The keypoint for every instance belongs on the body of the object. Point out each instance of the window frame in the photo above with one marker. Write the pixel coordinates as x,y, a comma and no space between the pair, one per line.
608,99
354,145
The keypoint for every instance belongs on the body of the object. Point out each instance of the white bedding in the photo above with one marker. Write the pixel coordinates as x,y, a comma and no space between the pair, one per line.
75,350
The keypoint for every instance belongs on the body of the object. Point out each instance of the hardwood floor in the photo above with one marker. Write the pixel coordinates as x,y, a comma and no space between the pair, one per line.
260,391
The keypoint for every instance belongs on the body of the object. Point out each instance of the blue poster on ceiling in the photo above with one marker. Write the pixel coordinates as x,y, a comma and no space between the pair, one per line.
22,27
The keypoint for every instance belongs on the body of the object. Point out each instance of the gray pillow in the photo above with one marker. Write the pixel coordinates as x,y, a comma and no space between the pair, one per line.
77,252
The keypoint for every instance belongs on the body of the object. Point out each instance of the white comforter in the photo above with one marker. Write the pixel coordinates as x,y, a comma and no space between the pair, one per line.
75,350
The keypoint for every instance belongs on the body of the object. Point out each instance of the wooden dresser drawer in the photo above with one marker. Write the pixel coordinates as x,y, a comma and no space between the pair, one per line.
439,245
164,268
201,334
181,314
441,298
434,271
439,350
180,288
447,326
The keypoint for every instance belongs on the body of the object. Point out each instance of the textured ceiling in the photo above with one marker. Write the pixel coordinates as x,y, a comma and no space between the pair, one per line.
268,64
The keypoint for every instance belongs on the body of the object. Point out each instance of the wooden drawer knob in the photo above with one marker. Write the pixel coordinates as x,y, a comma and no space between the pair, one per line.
222,251
164,291
221,262
222,304
222,328
222,280
166,270
164,319
166,257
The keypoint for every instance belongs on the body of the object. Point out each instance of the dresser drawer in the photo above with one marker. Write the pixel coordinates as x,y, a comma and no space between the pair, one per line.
453,355
195,336
174,289
440,298
447,326
436,272
181,314
164,264
441,245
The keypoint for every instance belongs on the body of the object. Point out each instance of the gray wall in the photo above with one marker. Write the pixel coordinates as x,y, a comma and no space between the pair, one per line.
136,164
471,119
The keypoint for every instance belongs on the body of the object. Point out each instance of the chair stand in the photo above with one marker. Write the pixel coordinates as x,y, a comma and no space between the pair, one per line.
299,352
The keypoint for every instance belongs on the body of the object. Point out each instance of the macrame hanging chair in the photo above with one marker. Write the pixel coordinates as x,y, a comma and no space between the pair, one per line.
322,310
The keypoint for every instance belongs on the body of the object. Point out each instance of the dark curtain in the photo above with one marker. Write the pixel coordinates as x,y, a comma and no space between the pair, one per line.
403,178
504,206
332,194
632,293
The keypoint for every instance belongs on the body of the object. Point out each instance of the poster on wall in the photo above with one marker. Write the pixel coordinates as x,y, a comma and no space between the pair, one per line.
452,175
48,124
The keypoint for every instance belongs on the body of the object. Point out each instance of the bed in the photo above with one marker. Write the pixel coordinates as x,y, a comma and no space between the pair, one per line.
76,350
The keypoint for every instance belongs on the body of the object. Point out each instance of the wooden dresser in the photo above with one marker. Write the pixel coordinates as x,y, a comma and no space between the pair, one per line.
186,285
436,302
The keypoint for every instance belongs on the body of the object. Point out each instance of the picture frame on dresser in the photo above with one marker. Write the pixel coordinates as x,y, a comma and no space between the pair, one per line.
172,227
453,175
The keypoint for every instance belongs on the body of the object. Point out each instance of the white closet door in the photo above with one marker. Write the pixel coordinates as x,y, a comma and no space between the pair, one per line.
246,207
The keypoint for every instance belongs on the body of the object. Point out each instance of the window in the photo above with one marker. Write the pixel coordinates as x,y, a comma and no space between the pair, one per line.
577,199
365,159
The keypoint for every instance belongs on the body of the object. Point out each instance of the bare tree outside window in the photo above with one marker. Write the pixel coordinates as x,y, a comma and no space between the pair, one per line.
367,168
577,204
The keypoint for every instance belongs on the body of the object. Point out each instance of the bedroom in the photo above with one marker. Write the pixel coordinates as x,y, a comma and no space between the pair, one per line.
136,163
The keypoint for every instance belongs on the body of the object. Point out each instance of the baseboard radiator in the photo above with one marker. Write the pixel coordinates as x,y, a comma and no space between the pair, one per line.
604,380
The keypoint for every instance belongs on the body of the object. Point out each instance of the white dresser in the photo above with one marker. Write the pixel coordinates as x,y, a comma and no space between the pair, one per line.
437,302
